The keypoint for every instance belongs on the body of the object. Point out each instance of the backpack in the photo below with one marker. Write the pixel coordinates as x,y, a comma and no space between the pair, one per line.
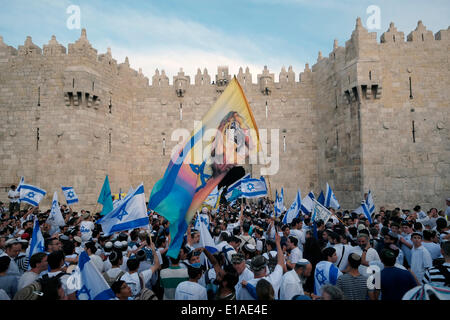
145,293
34,290
111,280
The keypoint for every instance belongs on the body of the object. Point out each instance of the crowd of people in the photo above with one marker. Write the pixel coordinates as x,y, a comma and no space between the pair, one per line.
256,256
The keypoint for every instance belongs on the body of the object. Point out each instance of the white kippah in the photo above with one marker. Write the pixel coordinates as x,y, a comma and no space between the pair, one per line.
302,262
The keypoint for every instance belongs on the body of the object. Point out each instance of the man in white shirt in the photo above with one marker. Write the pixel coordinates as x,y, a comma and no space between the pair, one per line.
259,268
13,196
420,257
298,232
295,254
433,248
366,252
12,250
38,263
238,261
342,251
190,289
135,280
293,281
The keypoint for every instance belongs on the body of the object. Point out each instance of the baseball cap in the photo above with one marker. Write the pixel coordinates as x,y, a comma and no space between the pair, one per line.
258,263
237,258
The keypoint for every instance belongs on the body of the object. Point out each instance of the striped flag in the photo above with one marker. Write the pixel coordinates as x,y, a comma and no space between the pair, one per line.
70,195
31,194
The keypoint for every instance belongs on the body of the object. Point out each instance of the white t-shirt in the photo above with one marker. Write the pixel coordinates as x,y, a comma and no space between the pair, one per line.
13,194
133,280
371,255
342,264
188,290
245,275
433,248
295,256
300,235
86,228
274,278
290,285
98,262
420,261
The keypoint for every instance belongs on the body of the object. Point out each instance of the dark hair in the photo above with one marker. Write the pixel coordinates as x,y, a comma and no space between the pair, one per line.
37,258
441,223
418,226
293,239
68,247
175,260
114,257
116,286
47,242
4,263
55,259
328,252
354,260
246,227
134,235
194,272
284,227
264,290
133,264
91,246
231,278
353,231
388,257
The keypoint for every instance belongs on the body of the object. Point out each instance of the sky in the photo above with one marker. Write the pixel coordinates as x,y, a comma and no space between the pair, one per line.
191,34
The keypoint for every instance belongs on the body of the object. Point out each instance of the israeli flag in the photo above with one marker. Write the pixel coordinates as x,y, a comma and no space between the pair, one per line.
367,207
236,185
202,225
325,273
37,241
294,209
31,194
213,199
55,217
307,205
321,198
330,199
117,202
89,282
130,214
279,204
70,195
19,186
254,188
320,212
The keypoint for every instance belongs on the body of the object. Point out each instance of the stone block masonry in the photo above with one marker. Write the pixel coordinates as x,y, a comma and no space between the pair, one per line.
369,116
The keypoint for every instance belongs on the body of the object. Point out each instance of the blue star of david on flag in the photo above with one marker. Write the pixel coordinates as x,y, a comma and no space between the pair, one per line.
199,169
31,194
320,276
121,214
84,291
250,187
70,195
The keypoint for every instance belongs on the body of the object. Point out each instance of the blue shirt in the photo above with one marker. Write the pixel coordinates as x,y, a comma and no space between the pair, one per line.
395,283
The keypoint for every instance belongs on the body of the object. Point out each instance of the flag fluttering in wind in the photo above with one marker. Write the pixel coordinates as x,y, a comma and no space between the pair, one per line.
320,212
367,207
31,194
254,188
224,138
105,198
235,185
37,240
308,203
129,214
321,198
294,209
93,285
330,199
279,203
70,195
55,217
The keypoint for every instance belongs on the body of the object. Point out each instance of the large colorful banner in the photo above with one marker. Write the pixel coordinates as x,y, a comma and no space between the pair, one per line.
226,137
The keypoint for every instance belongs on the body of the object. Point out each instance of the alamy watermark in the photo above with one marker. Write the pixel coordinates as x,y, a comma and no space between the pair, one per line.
74,20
